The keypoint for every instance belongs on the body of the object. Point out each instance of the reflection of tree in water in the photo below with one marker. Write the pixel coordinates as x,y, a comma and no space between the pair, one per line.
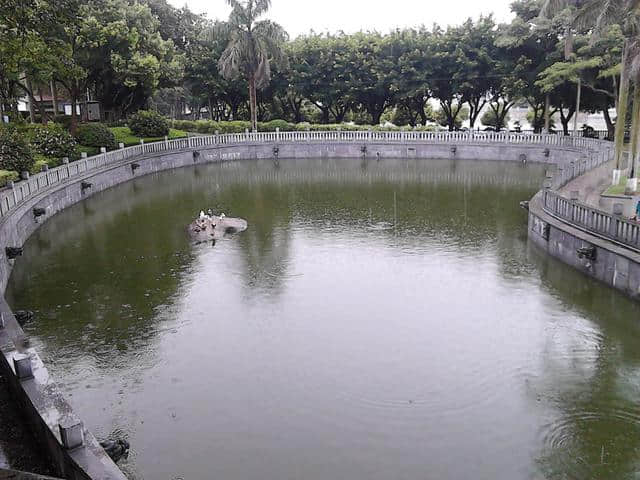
470,207
106,270
591,380
102,270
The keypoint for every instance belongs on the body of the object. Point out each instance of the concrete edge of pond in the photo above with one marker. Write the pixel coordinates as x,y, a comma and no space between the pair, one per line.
41,402
610,263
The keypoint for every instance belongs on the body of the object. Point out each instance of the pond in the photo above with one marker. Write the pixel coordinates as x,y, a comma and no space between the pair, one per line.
376,320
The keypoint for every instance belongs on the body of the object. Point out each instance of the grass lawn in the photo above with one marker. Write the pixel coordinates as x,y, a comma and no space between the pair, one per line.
124,135
617,189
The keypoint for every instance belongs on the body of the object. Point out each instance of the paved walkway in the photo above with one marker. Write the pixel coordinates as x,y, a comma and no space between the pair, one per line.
590,187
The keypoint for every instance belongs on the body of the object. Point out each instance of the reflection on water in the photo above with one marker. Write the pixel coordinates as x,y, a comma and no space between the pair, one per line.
385,320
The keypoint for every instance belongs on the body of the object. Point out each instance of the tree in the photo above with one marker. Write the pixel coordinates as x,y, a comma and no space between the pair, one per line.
412,75
529,45
252,46
476,64
493,117
374,60
322,72
598,15
446,81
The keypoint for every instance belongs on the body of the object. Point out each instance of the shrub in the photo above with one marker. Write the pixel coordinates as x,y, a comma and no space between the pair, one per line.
7,176
53,141
15,153
149,124
236,126
271,126
40,162
95,135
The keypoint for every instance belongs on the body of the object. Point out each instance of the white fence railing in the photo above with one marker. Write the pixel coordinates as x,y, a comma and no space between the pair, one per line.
13,196
592,220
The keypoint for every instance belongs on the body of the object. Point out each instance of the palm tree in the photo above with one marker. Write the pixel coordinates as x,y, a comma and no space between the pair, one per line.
252,46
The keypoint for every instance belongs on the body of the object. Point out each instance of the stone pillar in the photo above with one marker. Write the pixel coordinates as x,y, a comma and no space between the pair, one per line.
71,434
22,366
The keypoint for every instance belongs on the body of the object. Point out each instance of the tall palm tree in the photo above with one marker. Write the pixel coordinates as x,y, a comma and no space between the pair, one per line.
253,44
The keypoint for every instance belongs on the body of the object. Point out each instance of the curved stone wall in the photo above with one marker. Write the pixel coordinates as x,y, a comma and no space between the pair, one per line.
26,206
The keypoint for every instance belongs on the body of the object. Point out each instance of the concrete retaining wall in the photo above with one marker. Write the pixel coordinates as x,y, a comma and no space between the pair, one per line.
614,265
40,400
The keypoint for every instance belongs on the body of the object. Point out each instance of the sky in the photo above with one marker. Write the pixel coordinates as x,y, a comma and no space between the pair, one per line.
301,16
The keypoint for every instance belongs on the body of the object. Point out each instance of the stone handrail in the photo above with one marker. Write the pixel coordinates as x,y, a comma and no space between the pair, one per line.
612,227
14,195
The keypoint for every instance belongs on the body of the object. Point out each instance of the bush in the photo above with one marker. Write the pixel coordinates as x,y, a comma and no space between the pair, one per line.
149,124
209,127
271,126
95,135
7,176
490,119
53,141
15,153
40,162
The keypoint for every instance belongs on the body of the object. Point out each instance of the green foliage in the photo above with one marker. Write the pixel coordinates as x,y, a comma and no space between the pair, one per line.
39,164
53,141
444,117
95,135
491,119
253,45
125,136
206,126
8,176
15,153
537,121
274,124
148,124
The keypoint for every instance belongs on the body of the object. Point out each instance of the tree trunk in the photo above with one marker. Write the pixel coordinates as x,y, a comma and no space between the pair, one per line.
611,128
578,95
547,113
74,118
32,101
54,96
565,120
475,107
623,100
43,110
252,103
635,124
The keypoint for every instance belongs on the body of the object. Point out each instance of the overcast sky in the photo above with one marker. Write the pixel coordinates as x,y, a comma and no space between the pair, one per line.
301,16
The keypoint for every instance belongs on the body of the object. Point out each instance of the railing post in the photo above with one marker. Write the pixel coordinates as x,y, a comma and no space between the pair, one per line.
71,434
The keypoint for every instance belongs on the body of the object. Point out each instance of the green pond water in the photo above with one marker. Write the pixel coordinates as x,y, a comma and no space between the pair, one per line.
386,320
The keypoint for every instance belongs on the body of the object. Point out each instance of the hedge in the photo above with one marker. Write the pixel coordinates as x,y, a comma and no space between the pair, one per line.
210,127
